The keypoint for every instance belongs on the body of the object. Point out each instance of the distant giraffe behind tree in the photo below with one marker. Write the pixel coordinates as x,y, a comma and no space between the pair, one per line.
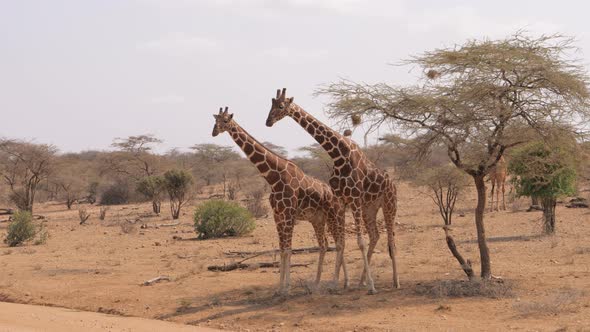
294,196
498,176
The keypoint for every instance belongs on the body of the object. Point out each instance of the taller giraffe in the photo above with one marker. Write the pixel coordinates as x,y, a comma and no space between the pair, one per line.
294,196
498,177
354,178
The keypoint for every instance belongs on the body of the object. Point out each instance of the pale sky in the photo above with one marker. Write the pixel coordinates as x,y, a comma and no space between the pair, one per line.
79,73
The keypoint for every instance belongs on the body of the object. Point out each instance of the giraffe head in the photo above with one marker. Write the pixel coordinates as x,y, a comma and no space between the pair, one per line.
223,121
281,105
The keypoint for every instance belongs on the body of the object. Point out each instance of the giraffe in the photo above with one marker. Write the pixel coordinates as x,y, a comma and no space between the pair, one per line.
498,178
294,196
354,178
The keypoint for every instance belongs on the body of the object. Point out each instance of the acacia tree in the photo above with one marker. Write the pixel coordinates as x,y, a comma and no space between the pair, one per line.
23,166
134,157
71,176
545,172
476,99
208,159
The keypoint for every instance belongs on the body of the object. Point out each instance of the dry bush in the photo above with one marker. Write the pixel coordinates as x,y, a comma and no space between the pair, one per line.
103,212
84,215
563,300
232,191
461,288
256,204
127,227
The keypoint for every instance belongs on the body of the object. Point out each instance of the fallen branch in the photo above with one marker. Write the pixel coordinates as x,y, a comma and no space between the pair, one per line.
155,280
6,212
277,251
168,225
187,256
239,265
534,208
465,264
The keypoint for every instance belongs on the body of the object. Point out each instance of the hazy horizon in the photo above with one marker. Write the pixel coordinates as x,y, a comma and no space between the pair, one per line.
77,74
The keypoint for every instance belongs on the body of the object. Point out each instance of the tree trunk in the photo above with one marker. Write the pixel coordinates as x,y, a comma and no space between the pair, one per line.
549,204
175,209
484,253
465,264
156,204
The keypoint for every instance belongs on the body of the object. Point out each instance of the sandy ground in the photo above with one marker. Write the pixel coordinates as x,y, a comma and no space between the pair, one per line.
100,268
29,318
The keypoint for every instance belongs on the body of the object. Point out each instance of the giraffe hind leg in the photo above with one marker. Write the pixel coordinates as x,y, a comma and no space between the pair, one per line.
389,212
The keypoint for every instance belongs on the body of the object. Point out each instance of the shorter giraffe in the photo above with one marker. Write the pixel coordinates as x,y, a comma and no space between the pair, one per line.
498,177
294,196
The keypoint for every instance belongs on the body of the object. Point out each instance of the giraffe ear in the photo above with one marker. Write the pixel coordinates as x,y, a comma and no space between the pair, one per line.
215,116
231,116
291,100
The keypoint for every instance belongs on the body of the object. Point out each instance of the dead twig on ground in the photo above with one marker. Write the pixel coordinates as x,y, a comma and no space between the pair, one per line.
277,251
155,280
238,265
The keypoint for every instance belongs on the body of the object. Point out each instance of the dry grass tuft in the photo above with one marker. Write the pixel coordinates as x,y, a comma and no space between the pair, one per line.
127,227
564,300
463,288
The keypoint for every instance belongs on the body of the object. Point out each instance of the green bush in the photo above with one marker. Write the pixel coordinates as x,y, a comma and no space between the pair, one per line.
21,229
217,218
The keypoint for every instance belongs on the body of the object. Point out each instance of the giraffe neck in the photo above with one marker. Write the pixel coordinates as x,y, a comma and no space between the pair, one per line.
264,159
333,142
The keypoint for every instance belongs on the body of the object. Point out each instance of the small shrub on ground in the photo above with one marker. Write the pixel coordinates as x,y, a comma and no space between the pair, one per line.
84,215
21,229
127,227
103,212
463,288
563,300
217,218
256,204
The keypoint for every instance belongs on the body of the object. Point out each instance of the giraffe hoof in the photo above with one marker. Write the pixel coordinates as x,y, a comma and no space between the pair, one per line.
372,291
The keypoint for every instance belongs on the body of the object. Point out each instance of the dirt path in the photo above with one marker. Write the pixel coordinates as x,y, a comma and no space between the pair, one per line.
23,317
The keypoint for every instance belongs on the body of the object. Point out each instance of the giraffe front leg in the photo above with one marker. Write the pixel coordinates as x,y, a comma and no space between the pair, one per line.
357,213
318,224
340,263
370,220
285,230
338,234
503,197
